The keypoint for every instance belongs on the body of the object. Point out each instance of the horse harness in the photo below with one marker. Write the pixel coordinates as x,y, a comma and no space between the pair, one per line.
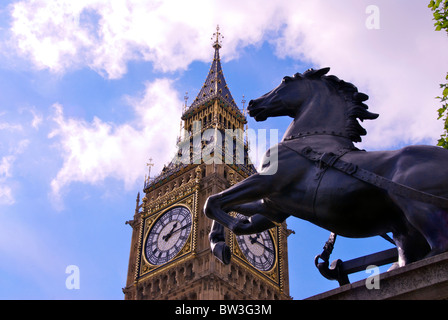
331,160
326,160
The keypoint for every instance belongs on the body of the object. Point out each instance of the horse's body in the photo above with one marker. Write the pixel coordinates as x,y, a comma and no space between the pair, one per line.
325,196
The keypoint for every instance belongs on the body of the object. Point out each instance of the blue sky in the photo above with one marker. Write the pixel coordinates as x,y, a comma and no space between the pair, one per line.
90,90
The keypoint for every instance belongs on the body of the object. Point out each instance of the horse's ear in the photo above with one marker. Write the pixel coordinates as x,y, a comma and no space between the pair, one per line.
319,73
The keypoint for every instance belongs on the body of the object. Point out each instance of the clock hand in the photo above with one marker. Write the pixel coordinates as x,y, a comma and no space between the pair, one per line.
168,235
181,228
266,248
254,239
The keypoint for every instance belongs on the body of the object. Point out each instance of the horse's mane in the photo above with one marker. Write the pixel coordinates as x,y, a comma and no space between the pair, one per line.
356,109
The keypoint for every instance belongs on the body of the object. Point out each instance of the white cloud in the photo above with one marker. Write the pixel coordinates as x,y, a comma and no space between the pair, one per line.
11,146
6,169
6,197
105,35
388,63
399,65
48,33
5,166
98,150
37,119
10,127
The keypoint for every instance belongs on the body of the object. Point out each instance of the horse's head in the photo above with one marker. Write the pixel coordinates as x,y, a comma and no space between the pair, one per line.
317,102
286,98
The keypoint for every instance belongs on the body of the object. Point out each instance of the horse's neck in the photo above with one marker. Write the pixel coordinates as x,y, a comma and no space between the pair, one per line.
321,142
321,121
318,129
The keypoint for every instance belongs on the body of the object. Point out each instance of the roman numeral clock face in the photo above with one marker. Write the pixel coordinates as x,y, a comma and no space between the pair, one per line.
168,235
258,248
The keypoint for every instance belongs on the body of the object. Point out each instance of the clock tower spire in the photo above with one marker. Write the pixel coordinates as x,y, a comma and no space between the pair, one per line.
170,254
217,37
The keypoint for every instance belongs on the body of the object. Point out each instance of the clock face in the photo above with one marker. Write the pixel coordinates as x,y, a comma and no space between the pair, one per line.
168,235
259,249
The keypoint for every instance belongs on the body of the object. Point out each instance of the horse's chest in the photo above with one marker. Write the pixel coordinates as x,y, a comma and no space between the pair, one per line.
301,195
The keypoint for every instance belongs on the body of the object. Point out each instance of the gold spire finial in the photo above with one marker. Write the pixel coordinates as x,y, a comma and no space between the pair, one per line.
150,164
217,36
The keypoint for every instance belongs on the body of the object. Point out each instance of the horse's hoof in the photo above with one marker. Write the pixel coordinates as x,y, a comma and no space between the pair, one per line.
222,252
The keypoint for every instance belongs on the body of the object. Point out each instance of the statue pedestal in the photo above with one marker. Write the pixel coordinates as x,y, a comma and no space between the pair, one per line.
422,280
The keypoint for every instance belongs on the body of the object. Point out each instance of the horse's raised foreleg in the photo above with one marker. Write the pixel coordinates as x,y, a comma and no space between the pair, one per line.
256,223
249,190
235,198
218,243
259,217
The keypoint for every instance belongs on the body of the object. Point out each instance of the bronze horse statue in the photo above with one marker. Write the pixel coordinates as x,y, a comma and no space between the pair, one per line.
323,178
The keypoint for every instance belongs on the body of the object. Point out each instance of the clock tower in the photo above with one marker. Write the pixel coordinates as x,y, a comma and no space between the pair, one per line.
170,256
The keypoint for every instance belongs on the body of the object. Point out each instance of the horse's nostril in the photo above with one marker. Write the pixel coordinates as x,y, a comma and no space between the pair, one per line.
251,102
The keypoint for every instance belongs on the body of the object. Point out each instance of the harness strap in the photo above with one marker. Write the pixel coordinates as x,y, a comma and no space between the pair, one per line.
331,160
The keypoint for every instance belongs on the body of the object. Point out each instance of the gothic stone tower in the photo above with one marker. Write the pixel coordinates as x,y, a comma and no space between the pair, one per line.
170,254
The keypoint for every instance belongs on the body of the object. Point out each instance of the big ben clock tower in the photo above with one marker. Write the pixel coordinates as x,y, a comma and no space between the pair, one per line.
170,256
